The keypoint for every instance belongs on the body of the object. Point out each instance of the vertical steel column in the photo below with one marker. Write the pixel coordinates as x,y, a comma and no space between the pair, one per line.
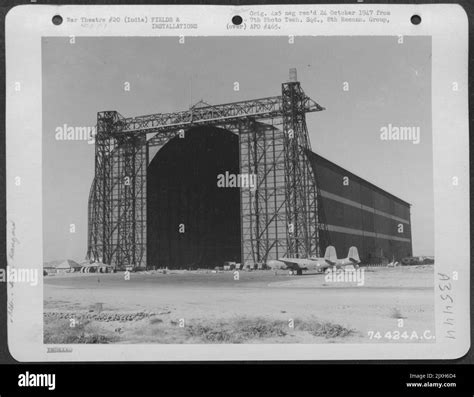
130,204
263,210
117,207
297,179
100,197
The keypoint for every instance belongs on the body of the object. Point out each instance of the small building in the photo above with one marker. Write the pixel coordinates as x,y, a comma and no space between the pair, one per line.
61,266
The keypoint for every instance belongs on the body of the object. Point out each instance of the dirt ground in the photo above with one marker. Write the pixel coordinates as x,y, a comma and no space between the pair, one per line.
260,307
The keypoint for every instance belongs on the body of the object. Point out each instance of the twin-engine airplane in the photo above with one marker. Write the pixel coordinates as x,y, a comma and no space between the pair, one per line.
297,265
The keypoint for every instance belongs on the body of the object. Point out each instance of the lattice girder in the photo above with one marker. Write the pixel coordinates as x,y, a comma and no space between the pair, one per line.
273,139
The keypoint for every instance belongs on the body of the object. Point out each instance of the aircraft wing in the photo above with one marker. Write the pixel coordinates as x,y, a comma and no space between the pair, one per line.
299,263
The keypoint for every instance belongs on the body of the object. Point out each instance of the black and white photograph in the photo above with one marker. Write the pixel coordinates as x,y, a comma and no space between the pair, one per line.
284,200
190,183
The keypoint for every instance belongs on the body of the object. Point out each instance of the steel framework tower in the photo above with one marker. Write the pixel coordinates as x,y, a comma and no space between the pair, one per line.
280,216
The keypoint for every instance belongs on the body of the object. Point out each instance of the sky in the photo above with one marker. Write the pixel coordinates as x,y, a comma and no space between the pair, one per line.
389,83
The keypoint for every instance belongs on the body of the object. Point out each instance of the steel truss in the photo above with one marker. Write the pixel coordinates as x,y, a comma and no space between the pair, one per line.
280,216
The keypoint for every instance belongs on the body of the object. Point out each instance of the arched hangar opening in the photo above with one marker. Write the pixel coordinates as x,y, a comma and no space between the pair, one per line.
191,222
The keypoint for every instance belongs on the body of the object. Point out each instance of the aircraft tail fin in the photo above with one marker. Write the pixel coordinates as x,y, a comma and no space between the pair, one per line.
330,255
353,255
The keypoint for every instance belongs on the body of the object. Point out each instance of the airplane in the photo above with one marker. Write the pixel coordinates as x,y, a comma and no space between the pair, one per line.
330,260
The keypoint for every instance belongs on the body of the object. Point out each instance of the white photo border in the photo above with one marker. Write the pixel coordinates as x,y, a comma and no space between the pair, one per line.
448,27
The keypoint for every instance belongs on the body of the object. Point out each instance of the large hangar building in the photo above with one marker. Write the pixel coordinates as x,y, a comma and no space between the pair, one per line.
155,200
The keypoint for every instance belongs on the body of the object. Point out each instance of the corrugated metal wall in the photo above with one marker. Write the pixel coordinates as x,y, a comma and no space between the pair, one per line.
361,214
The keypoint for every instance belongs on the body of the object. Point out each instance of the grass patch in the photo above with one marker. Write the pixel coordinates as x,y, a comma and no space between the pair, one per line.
323,328
237,331
232,331
261,328
211,334
243,329
59,331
